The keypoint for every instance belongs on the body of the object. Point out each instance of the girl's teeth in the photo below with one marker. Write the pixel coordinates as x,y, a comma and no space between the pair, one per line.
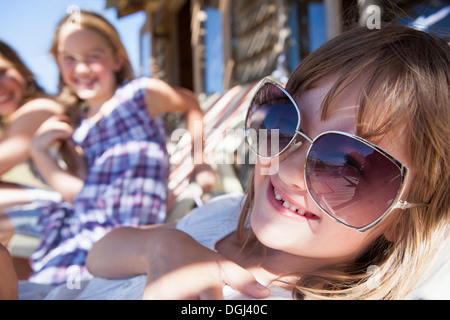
277,195
4,97
287,204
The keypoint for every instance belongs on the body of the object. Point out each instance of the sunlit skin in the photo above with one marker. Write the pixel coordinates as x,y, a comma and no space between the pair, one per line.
12,88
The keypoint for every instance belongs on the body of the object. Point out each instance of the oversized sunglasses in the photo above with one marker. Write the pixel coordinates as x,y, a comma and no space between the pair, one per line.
351,180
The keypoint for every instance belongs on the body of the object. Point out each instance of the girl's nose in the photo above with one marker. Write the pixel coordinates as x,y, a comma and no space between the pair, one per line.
81,67
291,168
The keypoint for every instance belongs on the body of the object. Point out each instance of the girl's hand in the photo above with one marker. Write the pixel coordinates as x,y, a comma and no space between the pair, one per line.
54,133
177,266
50,133
181,268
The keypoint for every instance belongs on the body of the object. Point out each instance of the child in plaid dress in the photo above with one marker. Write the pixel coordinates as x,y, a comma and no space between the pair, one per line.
122,139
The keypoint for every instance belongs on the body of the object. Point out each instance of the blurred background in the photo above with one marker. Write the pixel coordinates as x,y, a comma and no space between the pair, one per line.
209,46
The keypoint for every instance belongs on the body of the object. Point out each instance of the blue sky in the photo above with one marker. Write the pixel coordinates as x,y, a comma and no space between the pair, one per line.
28,27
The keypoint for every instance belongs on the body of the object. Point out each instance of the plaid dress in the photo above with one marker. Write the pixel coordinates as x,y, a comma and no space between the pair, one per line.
126,185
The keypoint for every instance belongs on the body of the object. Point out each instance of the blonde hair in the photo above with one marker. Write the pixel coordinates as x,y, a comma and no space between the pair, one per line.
407,85
96,22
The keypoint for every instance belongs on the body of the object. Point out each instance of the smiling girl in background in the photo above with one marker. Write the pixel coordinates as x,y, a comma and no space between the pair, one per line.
119,130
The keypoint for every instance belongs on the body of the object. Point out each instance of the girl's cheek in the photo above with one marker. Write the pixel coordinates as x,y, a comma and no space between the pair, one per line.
66,71
97,67
100,68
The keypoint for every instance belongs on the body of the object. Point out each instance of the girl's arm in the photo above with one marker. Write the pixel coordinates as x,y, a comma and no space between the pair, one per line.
52,133
8,277
20,129
160,98
177,267
123,252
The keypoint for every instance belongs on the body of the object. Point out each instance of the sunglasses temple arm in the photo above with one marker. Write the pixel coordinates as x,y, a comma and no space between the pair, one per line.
408,205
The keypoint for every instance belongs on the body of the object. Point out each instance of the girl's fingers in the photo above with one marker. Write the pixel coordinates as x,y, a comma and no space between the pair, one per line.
242,280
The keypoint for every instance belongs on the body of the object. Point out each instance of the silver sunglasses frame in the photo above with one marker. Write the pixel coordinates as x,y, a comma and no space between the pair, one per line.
397,203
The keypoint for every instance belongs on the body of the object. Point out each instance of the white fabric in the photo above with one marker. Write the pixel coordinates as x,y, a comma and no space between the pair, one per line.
207,224
435,284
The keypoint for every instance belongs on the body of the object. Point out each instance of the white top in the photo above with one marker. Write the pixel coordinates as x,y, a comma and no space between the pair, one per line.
207,225
435,284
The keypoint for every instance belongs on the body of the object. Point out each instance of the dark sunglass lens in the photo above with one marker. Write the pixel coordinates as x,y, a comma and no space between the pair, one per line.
350,180
271,122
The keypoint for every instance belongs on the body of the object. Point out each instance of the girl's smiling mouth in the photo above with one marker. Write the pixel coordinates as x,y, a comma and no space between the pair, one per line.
285,207
85,83
6,97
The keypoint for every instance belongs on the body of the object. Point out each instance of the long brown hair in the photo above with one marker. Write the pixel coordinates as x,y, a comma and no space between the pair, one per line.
33,90
407,85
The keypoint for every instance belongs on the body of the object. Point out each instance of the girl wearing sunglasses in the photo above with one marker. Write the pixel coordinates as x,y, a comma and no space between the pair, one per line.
357,200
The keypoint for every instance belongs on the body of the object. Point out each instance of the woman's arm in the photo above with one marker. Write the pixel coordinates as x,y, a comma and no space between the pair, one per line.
8,277
20,129
177,267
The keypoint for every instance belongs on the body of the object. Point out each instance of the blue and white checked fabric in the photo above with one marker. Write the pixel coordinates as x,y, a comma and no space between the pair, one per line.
126,186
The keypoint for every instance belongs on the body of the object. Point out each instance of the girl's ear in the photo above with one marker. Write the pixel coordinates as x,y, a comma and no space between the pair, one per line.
119,60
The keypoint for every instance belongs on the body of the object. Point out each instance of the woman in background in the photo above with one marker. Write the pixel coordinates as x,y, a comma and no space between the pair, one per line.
23,108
